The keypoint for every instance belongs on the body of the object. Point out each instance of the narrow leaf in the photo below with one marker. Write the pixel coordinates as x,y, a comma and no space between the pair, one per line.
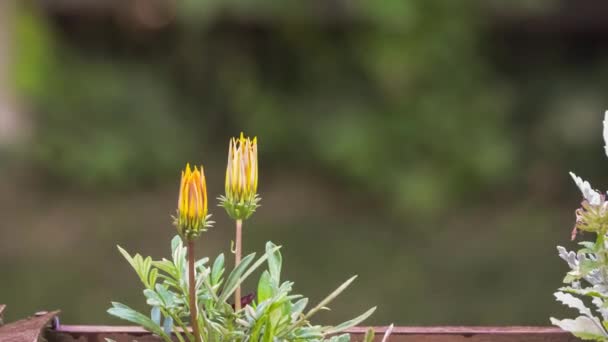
351,323
233,278
274,263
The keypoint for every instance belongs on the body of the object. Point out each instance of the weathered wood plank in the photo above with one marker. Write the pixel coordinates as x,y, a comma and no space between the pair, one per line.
26,330
83,333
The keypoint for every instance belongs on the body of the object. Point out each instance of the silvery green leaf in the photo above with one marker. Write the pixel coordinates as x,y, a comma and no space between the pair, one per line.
168,325
600,305
286,287
592,196
274,263
217,270
201,262
298,307
124,312
234,283
175,243
261,308
570,257
250,312
243,322
350,323
330,297
152,298
155,314
167,266
233,279
573,302
166,296
582,327
309,332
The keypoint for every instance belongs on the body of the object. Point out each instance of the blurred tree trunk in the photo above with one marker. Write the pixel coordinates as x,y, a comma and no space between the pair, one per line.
12,122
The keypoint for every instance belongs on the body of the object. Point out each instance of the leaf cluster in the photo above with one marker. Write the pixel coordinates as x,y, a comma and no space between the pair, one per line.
587,279
276,314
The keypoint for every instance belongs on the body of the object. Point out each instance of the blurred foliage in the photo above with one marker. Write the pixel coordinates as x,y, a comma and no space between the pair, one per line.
391,97
420,109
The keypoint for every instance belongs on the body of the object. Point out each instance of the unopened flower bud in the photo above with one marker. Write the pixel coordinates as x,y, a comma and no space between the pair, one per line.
192,217
241,199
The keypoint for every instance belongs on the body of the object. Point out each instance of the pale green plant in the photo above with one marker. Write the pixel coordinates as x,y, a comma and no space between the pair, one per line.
275,315
588,275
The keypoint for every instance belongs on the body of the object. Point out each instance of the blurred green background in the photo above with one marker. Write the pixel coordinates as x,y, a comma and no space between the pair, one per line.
422,144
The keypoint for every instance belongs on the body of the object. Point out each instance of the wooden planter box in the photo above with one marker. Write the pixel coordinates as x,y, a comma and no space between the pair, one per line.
45,326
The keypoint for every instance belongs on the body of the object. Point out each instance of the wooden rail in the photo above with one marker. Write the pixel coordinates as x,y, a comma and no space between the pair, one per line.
90,333
46,325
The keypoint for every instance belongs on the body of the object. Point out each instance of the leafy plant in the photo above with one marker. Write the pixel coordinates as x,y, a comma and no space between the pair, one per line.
588,275
275,315
185,288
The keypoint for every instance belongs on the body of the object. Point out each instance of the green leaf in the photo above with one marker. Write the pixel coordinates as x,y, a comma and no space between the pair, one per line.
255,332
155,314
167,297
591,292
168,267
138,265
274,263
228,290
201,262
152,277
168,325
309,333
298,307
586,266
369,335
330,297
126,255
321,305
233,279
124,312
268,332
175,243
351,323
588,244
153,299
147,264
276,312
217,270
264,287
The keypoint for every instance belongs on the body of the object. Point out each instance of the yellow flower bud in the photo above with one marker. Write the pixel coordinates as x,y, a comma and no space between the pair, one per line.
241,197
192,215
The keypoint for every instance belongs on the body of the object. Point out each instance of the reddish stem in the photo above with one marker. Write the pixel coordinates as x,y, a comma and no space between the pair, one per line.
237,261
192,292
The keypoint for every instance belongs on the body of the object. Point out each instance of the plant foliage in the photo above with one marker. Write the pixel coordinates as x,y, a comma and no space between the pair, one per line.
588,275
276,314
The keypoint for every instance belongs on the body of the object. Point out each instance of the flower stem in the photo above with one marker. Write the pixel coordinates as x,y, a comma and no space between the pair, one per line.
192,290
237,261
